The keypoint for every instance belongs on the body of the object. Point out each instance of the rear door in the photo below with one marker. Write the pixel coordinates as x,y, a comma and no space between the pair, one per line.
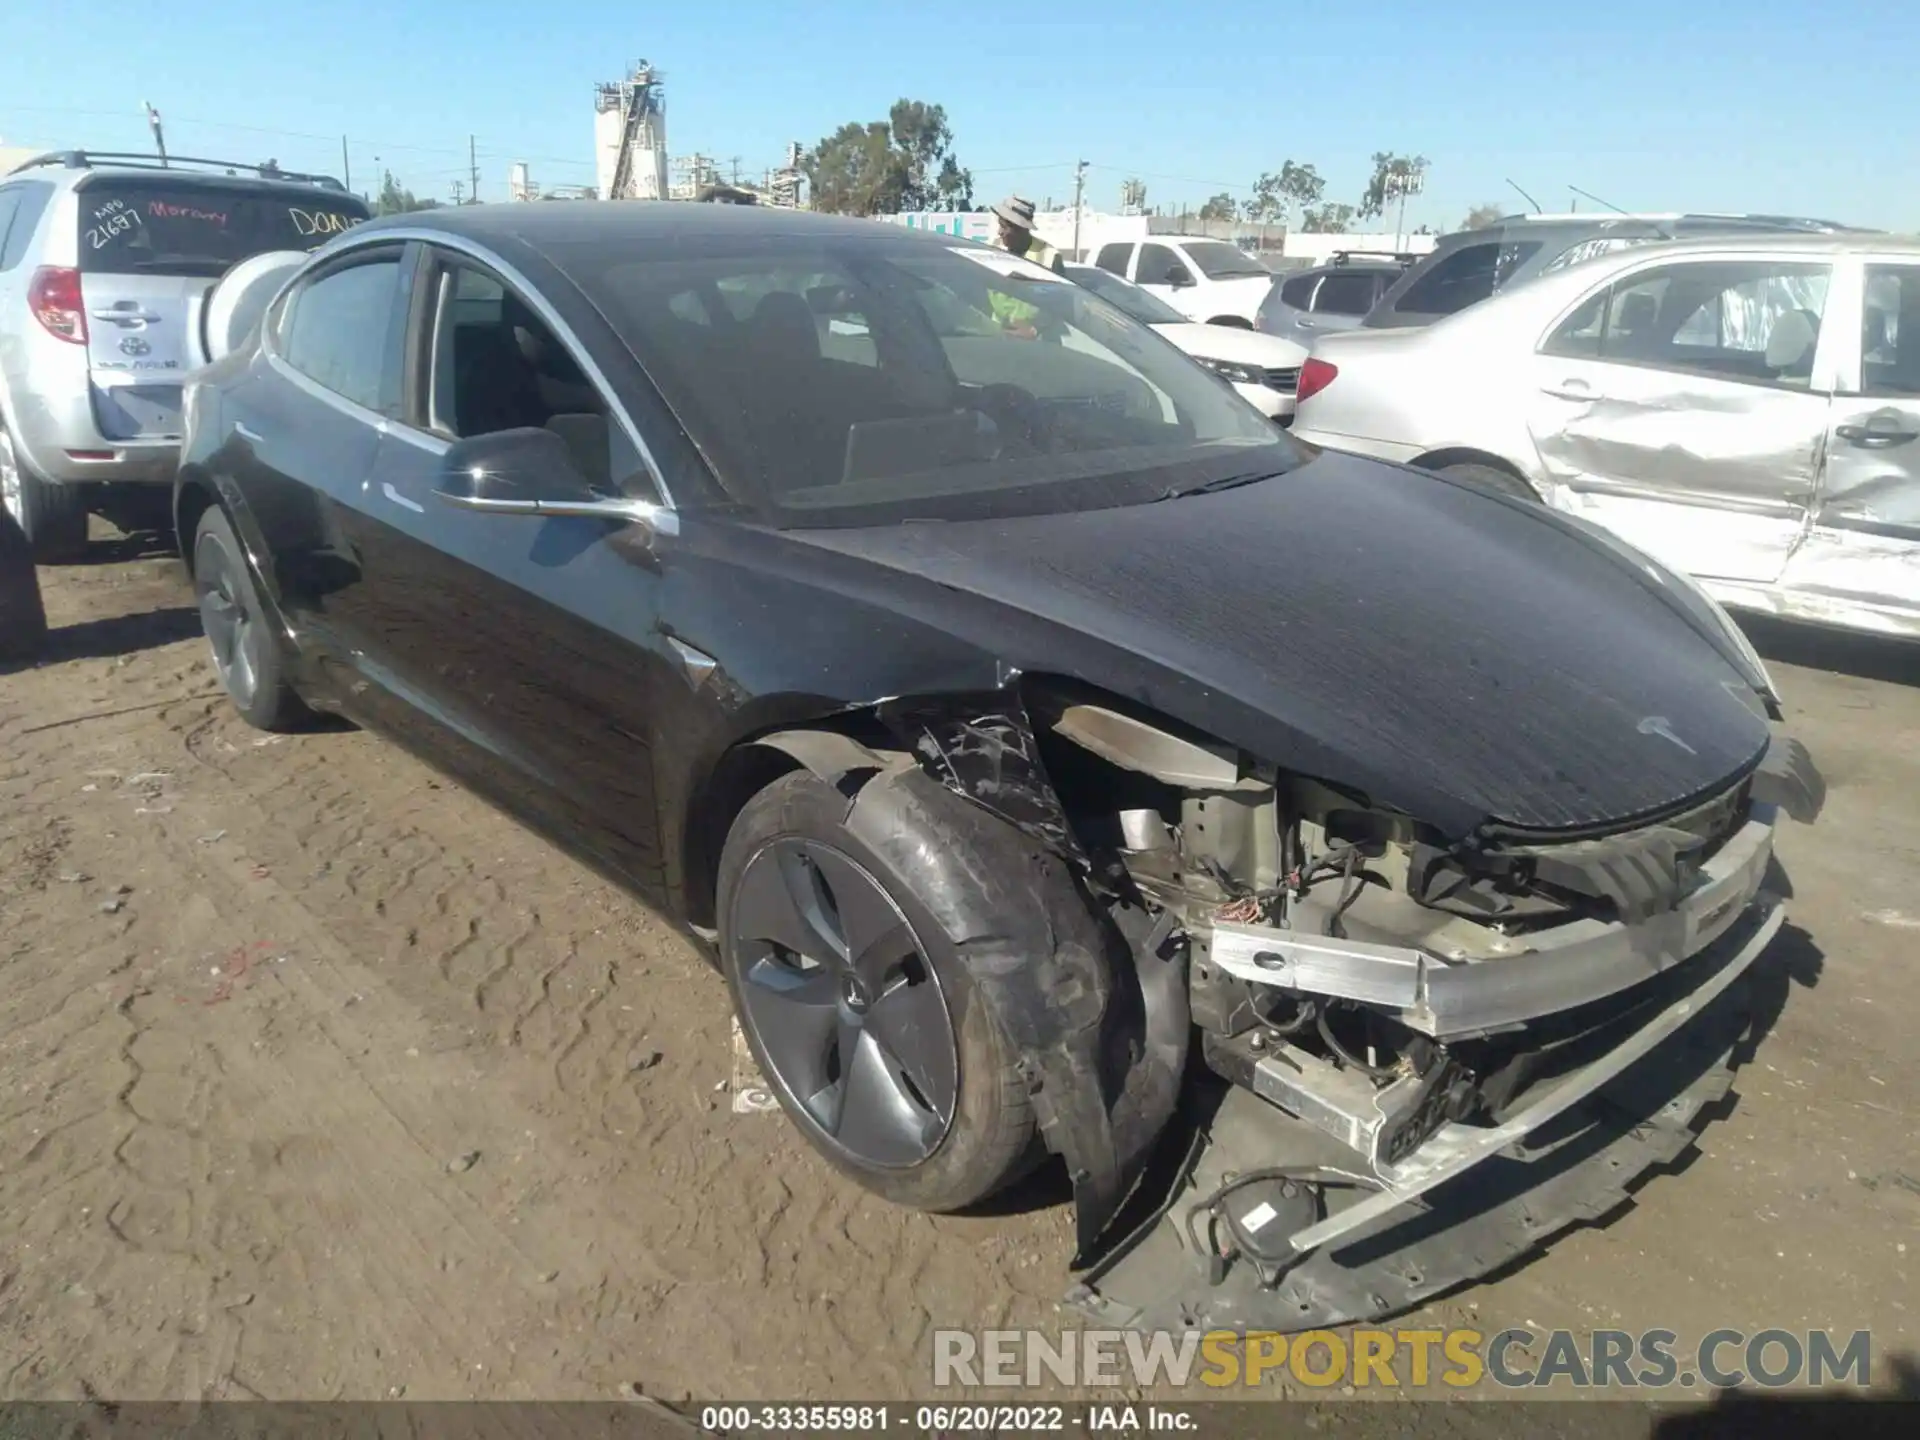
1867,521
149,248
1684,406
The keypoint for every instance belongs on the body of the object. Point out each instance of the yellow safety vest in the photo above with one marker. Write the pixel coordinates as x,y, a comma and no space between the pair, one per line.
1008,311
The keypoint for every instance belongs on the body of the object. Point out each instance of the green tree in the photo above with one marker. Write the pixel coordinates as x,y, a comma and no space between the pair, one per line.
1275,196
1481,216
881,167
1330,219
1220,207
1395,177
394,199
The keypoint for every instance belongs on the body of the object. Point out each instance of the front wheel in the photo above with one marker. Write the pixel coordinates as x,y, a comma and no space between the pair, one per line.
859,1008
1493,478
246,653
53,517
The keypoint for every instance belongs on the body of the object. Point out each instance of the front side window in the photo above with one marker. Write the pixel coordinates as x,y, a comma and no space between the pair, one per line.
160,226
1736,320
339,330
497,365
982,385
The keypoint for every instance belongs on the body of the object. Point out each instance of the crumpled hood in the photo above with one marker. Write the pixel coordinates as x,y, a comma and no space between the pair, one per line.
1459,657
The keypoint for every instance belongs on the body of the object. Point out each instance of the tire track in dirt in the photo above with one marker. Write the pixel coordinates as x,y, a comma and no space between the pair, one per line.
252,1196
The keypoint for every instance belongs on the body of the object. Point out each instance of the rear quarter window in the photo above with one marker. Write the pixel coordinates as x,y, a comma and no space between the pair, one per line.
166,227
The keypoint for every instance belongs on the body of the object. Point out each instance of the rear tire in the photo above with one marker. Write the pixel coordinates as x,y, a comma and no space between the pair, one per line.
23,619
954,1120
1494,478
53,517
246,651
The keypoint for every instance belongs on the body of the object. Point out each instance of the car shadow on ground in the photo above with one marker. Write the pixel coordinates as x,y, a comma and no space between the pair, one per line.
119,635
1814,647
141,543
1758,1415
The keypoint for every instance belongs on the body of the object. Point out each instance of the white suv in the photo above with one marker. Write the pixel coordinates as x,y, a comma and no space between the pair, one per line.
1205,280
106,261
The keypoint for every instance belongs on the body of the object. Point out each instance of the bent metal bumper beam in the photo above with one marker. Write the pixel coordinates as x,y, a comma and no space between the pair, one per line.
1449,997
1456,1147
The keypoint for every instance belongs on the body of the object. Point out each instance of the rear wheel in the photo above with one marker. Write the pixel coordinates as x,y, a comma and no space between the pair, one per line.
246,652
53,517
859,1008
23,619
1494,478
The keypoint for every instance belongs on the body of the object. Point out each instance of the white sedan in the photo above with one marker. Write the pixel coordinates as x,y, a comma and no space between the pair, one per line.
1745,408
1263,368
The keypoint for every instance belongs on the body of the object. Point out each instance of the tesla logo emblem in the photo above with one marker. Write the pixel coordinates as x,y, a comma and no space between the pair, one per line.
1657,725
134,345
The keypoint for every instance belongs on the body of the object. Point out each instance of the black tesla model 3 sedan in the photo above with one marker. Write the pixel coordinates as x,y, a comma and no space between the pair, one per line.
1035,735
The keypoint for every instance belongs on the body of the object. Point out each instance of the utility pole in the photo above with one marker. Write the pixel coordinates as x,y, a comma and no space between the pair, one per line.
473,170
459,189
346,165
1079,189
736,170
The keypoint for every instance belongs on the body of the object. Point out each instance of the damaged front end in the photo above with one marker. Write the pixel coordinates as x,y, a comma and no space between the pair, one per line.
1440,1049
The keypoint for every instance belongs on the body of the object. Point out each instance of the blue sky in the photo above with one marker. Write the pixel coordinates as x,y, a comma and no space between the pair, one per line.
1653,104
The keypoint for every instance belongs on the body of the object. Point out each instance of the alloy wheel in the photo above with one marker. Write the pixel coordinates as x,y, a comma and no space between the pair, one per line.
226,614
836,989
10,485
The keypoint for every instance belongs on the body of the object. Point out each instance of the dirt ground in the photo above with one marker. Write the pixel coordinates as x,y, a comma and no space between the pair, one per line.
320,1079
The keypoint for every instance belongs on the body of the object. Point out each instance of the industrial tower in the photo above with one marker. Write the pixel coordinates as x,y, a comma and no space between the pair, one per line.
630,136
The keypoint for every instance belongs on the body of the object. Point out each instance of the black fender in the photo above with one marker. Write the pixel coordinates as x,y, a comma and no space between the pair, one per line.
1102,1028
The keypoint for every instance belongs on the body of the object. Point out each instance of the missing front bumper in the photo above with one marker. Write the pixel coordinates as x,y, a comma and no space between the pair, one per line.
1467,1200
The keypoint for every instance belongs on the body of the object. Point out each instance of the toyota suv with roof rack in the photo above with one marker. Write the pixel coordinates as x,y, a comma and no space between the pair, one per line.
1333,296
106,263
1470,265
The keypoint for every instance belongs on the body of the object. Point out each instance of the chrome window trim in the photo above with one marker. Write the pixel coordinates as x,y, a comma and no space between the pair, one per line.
460,245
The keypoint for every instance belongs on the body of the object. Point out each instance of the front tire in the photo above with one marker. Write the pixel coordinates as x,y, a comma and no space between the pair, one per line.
23,618
53,517
1493,478
859,1007
246,652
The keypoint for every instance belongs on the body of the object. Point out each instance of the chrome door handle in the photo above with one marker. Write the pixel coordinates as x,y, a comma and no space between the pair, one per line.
246,434
1569,390
118,312
1874,437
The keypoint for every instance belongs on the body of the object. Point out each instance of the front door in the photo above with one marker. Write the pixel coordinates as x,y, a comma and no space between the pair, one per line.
1684,406
529,642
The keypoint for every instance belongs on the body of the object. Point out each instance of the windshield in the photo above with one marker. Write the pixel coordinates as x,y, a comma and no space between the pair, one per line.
178,227
1220,261
1128,299
857,381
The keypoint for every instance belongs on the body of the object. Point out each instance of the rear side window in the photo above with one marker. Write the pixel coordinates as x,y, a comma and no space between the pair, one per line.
1298,292
1466,277
141,226
32,201
1345,294
1114,257
1157,263
341,333
9,207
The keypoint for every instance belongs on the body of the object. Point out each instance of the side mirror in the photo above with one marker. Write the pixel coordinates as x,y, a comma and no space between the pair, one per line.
528,471
1177,275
